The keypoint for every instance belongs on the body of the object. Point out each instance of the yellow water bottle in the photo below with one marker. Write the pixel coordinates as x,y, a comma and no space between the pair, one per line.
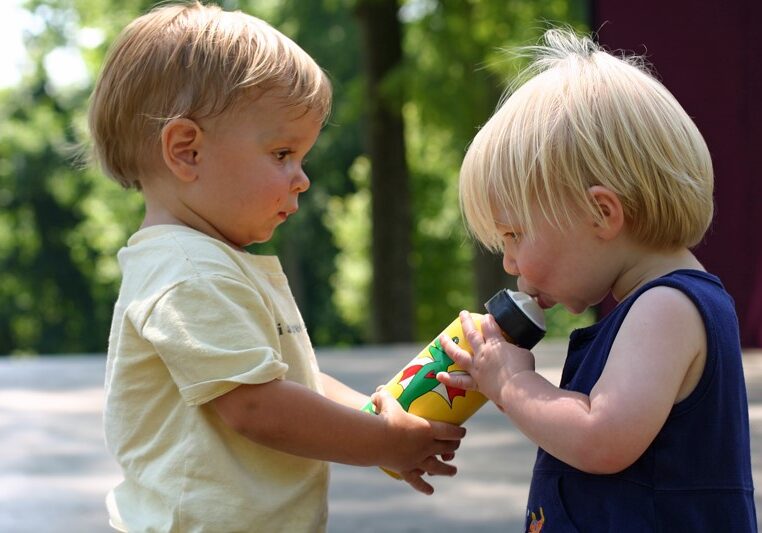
416,387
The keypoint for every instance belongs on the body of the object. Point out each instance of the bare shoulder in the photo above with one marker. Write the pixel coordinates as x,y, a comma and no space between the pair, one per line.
665,307
664,322
655,361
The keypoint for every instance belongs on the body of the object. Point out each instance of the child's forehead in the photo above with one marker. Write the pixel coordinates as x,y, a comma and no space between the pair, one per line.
272,101
503,219
504,216
268,112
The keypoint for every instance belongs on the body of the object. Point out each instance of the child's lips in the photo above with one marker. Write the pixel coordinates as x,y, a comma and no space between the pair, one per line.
285,214
543,302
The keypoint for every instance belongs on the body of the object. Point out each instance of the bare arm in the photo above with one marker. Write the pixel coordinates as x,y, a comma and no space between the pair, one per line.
658,352
294,419
341,393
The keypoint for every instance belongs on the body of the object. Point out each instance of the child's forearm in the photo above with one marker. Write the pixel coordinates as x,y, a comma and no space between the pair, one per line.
563,423
294,419
339,392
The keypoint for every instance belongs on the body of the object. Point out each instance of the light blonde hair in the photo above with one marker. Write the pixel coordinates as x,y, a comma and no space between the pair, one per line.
588,118
194,61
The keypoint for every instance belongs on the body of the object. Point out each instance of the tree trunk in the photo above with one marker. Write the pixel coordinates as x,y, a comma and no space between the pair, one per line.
392,292
489,276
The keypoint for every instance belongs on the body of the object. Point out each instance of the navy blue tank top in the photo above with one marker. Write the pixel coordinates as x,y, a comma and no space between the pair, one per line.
696,474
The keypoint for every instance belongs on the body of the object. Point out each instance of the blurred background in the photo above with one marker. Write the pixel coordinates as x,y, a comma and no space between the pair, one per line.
378,252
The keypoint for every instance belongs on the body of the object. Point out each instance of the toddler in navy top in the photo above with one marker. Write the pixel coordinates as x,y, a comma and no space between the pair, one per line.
591,179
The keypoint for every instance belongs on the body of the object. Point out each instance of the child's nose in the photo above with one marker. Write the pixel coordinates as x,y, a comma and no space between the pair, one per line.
509,265
301,181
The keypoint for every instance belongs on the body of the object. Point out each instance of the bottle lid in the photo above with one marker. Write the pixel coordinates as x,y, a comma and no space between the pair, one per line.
519,316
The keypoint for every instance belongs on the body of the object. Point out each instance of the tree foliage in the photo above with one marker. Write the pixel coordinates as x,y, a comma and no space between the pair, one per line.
455,71
62,222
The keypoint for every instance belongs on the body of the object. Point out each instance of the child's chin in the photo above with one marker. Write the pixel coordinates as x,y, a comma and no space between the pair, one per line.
260,240
544,303
262,236
577,310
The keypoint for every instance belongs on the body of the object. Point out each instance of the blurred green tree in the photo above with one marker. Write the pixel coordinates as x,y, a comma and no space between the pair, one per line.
60,226
392,305
454,71
61,222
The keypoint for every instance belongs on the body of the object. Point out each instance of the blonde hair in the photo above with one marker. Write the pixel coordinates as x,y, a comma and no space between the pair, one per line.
588,118
194,61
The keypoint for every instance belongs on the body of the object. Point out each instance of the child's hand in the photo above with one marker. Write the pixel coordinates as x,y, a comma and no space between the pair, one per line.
414,443
495,361
415,477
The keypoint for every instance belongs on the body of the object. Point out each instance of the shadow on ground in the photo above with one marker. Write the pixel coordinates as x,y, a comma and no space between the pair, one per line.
55,472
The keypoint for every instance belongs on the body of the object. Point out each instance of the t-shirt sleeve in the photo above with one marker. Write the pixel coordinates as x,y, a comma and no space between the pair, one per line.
213,334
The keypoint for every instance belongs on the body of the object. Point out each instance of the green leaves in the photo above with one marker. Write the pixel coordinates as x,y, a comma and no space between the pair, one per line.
61,223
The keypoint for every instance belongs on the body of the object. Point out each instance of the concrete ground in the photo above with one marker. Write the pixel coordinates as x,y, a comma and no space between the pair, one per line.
54,470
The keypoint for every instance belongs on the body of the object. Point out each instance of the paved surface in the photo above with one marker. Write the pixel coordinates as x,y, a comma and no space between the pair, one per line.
54,470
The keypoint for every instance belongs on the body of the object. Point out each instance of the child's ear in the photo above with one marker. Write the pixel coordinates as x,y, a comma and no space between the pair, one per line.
180,141
610,209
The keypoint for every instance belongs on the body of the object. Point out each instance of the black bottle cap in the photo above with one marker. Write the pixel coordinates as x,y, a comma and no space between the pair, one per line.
519,316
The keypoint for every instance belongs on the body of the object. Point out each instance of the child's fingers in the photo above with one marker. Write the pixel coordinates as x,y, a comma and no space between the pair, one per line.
490,328
449,433
458,381
434,467
458,354
441,447
384,401
472,333
414,479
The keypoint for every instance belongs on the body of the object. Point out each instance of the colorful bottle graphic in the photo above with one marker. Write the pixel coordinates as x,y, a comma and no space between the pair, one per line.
416,387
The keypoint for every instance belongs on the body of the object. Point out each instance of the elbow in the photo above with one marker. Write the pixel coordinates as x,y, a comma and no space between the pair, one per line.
603,458
232,418
605,465
234,421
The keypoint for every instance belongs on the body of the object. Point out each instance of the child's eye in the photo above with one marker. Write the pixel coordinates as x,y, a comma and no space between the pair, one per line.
280,155
512,235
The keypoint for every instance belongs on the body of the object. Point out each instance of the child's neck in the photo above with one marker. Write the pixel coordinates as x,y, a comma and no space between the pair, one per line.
165,209
650,266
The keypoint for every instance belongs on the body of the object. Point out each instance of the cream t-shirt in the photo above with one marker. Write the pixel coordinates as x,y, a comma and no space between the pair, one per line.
194,319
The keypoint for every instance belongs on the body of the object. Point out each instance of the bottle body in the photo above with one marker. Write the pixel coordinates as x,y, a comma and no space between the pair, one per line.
417,390
416,387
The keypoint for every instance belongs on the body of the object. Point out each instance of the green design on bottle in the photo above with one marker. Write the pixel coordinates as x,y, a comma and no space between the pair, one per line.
419,379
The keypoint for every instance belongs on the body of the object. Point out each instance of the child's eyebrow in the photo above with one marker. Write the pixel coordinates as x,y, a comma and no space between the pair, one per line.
291,139
283,137
504,225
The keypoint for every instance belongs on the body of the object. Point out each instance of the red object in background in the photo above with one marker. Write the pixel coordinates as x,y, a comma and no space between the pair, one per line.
708,56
